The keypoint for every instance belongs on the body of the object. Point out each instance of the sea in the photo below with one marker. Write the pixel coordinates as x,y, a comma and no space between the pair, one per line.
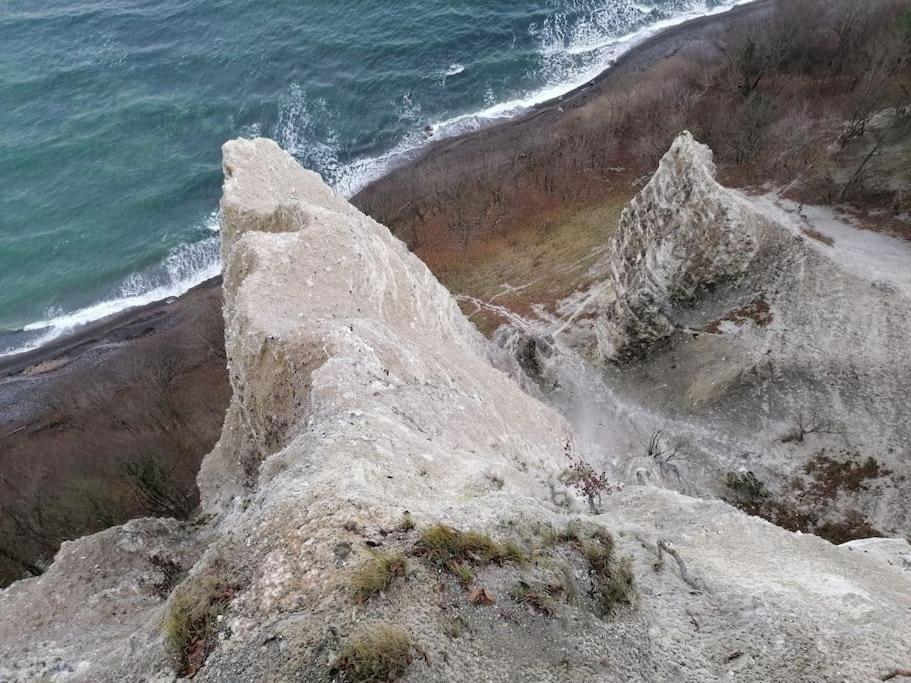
113,112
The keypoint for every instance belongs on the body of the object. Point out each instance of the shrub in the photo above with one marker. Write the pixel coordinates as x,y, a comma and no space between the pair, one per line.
378,655
589,483
376,575
612,579
746,486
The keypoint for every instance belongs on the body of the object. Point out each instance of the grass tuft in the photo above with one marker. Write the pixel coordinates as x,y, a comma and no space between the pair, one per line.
612,580
534,596
445,544
190,622
615,587
407,523
376,575
455,551
462,572
377,655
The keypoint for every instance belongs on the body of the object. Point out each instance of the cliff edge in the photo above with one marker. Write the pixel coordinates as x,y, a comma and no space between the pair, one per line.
384,502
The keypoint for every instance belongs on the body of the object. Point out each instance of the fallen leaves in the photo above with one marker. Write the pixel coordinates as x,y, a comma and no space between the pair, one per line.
480,596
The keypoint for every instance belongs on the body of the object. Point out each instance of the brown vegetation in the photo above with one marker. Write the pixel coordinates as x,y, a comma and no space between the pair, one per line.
775,92
758,310
805,503
111,435
455,551
378,654
191,621
376,575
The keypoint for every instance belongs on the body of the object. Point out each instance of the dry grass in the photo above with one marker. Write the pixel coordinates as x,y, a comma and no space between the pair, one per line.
376,575
539,264
535,596
612,579
445,544
190,622
379,654
456,551
757,311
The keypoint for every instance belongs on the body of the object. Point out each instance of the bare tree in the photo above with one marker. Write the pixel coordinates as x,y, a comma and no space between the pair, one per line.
804,425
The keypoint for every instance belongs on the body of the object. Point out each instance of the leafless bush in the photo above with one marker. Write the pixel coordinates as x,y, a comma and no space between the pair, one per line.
804,424
157,491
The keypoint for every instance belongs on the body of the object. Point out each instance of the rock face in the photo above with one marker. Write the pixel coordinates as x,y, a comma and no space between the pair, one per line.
364,413
757,353
682,234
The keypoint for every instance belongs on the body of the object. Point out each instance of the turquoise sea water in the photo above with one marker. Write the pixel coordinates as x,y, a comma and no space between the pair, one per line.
112,113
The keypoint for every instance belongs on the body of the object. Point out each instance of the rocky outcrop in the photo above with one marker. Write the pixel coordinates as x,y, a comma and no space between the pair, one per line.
364,414
758,354
682,234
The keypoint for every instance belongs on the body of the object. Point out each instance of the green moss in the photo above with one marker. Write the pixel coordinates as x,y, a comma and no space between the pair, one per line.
378,655
376,575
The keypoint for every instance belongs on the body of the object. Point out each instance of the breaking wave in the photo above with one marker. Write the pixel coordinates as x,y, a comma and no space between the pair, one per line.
573,46
185,266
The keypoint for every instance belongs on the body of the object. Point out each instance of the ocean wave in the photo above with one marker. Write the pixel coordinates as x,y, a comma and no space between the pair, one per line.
303,129
594,36
185,266
572,52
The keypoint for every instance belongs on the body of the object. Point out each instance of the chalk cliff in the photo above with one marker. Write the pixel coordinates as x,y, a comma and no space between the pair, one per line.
682,234
365,412
763,342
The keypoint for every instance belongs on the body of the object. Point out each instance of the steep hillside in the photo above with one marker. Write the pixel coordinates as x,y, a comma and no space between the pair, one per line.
365,415
746,348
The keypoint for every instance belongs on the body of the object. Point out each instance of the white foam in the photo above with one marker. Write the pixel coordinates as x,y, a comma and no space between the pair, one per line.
302,129
591,38
185,266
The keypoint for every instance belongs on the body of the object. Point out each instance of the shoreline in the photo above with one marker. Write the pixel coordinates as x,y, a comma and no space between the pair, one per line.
572,98
121,326
83,338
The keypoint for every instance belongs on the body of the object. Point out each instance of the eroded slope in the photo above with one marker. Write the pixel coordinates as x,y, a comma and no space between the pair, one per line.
360,393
